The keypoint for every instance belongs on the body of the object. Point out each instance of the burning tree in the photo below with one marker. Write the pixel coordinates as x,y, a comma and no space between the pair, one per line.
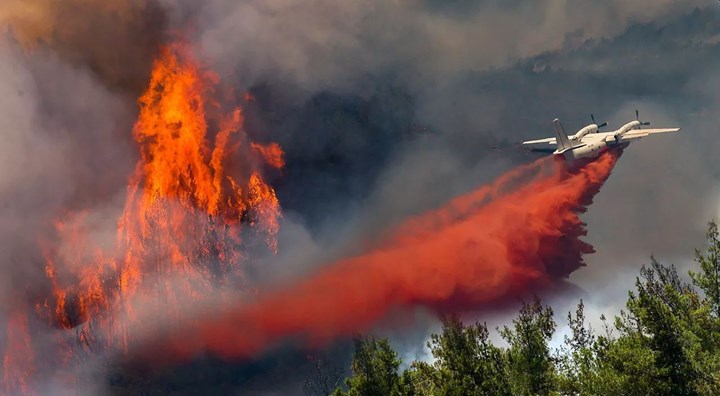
196,200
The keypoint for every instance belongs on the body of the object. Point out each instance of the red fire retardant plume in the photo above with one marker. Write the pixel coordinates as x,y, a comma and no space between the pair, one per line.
520,232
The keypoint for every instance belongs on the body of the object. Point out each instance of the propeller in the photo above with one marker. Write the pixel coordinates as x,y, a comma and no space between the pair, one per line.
637,117
604,124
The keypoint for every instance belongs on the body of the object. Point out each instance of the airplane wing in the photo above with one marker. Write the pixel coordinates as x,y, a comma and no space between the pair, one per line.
539,141
640,133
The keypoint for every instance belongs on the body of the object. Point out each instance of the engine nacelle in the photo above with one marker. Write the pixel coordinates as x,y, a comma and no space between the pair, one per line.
592,128
627,128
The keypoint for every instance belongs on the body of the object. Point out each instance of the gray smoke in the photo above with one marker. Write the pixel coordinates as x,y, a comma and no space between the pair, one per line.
60,151
385,109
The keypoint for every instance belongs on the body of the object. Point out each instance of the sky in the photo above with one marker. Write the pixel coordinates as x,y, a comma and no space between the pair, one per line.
386,109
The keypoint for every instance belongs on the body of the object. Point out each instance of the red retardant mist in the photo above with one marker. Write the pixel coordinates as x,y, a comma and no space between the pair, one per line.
521,232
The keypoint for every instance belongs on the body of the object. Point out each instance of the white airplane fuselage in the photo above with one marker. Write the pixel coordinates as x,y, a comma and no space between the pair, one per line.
589,142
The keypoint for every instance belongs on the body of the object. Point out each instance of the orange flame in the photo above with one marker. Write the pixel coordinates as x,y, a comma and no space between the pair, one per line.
185,191
171,131
178,236
271,153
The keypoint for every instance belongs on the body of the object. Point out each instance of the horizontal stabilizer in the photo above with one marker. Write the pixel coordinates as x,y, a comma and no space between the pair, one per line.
561,151
540,141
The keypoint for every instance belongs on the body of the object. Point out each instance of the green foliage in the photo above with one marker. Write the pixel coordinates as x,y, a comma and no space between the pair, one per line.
466,362
708,279
531,368
375,367
577,361
665,342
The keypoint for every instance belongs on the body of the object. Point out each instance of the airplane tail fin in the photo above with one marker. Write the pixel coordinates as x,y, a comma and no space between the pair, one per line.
563,142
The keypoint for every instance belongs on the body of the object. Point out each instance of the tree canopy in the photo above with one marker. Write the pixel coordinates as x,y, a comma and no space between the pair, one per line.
666,341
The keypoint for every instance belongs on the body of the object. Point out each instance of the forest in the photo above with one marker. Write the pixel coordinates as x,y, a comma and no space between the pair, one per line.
665,341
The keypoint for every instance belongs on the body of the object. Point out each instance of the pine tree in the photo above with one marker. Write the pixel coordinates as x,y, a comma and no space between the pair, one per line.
466,362
375,367
531,368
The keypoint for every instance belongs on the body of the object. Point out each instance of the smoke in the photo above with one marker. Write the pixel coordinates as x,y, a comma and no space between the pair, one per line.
329,44
497,242
385,109
59,129
69,74
115,39
68,71
60,151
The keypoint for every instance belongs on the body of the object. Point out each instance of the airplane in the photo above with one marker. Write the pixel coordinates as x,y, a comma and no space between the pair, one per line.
590,142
